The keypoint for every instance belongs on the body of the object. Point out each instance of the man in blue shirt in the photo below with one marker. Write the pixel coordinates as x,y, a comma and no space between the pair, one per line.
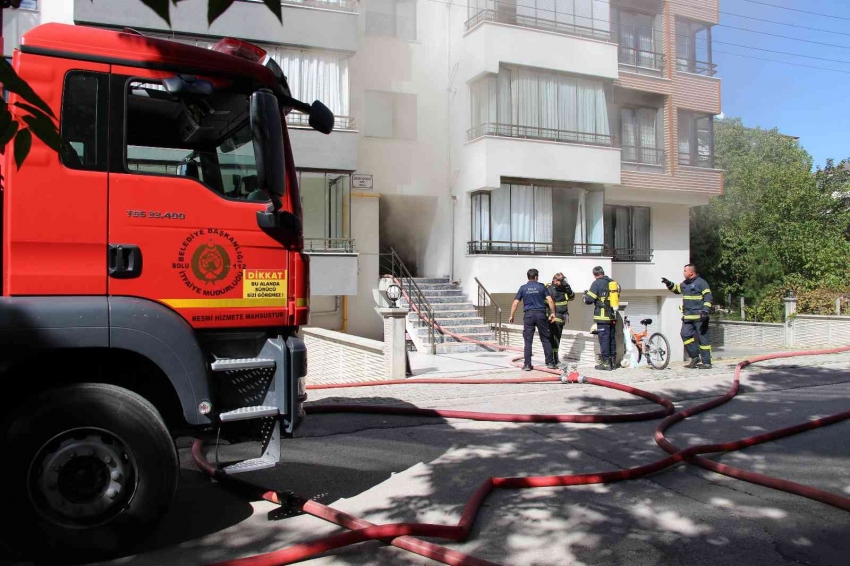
534,296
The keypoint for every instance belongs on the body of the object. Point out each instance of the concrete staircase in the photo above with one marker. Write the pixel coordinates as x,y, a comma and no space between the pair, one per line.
454,312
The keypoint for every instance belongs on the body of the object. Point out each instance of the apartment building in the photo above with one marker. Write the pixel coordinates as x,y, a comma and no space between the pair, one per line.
555,134
498,134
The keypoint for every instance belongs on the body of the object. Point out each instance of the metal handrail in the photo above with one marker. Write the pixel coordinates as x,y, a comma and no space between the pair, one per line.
533,22
637,255
303,120
504,247
401,275
687,65
696,160
338,5
483,297
343,245
641,155
537,133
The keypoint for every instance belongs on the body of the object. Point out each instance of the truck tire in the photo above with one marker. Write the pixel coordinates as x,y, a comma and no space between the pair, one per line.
88,471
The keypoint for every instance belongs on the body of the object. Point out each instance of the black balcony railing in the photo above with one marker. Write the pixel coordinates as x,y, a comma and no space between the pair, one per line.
303,120
640,158
696,160
631,254
639,60
495,247
537,133
536,18
341,5
479,247
331,245
696,67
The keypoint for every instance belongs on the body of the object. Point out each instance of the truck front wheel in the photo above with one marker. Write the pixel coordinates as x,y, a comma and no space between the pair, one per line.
89,469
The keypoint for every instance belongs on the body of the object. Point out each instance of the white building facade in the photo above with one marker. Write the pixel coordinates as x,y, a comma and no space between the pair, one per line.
499,135
554,134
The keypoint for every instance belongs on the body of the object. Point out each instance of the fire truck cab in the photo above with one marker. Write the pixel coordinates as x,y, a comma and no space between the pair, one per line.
153,279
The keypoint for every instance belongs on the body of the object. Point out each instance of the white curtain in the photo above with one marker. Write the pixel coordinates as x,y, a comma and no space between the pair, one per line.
595,222
500,212
581,227
543,218
522,215
316,75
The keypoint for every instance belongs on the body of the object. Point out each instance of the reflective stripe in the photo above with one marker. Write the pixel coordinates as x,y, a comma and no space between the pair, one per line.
677,288
706,291
689,341
602,318
592,295
561,320
705,347
223,303
692,297
602,312
562,303
707,304
692,317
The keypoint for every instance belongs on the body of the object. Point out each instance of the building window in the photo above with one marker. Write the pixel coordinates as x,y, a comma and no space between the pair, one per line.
84,120
586,18
525,103
627,233
391,18
29,5
391,115
316,75
532,219
326,209
640,136
696,139
693,47
641,40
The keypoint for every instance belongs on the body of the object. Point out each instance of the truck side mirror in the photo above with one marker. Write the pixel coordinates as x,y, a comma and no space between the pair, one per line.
321,118
268,145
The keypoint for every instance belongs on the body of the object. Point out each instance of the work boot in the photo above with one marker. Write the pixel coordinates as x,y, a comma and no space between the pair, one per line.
552,365
693,363
527,367
602,365
704,366
613,364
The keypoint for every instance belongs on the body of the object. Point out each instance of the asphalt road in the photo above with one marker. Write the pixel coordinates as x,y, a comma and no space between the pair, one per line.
390,469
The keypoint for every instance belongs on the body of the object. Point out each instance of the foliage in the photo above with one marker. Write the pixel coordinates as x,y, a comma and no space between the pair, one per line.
776,227
215,8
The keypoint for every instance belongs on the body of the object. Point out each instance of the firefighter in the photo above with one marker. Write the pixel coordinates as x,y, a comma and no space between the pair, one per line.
561,294
696,306
604,295
535,296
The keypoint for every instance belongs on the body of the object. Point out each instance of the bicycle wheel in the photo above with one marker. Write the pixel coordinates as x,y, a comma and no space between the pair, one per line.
658,351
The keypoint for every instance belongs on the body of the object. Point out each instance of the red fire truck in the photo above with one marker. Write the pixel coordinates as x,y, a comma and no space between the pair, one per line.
153,279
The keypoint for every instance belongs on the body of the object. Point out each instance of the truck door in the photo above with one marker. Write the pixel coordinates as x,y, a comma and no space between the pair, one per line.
183,202
55,206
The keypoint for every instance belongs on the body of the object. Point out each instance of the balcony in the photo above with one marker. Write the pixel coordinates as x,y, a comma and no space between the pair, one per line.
309,23
538,133
493,247
298,120
329,245
541,15
643,159
641,45
494,37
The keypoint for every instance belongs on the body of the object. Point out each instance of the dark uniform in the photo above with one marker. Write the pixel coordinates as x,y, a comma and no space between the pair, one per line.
696,306
533,296
561,295
605,317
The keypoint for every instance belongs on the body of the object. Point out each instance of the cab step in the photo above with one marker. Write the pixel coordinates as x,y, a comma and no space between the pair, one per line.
246,413
251,465
231,364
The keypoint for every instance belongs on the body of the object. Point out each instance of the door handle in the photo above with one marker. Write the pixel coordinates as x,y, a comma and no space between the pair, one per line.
124,261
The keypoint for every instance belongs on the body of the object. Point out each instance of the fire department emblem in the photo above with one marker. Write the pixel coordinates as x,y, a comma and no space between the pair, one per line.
210,262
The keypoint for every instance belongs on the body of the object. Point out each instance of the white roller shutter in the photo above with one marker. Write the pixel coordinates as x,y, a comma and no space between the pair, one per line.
640,308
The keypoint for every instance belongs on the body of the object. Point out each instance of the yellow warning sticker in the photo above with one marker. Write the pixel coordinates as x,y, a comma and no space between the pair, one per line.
264,284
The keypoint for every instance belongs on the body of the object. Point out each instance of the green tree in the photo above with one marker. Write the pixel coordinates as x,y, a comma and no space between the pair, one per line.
775,227
34,116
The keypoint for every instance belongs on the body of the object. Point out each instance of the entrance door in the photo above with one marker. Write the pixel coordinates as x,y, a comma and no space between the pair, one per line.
183,199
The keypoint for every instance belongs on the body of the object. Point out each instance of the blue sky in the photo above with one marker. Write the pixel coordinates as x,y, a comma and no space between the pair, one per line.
809,103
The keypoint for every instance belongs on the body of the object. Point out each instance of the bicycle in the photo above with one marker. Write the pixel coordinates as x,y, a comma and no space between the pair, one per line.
656,348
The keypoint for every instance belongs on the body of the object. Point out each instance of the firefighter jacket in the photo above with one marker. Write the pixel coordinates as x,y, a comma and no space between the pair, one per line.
561,296
696,297
604,294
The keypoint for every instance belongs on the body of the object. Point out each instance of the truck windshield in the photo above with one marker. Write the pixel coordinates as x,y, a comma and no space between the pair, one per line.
205,138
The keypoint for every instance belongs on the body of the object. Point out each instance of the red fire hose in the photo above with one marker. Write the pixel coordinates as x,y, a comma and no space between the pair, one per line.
402,535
